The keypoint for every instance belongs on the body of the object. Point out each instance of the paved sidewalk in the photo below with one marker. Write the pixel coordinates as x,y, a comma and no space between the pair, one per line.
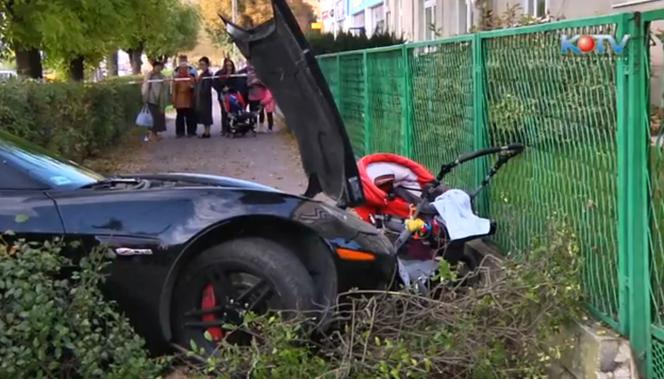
271,159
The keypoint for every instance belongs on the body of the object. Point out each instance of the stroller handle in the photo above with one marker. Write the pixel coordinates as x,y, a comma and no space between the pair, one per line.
509,151
506,152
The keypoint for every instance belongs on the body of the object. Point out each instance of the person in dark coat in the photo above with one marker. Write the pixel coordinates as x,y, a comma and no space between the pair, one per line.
242,83
222,84
203,94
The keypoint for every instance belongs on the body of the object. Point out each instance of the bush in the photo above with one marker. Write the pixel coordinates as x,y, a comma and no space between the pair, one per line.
325,43
502,329
60,326
75,120
55,322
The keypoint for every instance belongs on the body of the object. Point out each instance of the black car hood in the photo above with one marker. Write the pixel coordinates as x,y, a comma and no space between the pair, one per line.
283,61
206,180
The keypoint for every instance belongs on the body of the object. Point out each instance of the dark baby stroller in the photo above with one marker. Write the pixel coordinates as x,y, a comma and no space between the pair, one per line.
240,120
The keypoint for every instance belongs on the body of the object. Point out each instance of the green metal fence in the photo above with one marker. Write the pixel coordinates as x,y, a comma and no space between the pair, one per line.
585,121
653,160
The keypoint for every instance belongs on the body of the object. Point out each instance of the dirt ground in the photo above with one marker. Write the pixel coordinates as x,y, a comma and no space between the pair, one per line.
270,158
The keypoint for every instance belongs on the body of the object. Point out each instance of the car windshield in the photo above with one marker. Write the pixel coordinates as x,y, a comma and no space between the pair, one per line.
44,167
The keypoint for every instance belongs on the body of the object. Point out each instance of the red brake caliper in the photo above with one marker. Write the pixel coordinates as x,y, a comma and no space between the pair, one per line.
208,302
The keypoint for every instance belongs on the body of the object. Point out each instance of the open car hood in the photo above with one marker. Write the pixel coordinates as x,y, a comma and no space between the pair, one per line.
283,61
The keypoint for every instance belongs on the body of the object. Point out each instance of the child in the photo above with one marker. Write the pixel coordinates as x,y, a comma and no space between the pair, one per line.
234,102
260,98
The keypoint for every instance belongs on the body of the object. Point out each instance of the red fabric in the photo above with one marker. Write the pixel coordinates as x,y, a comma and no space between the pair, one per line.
376,199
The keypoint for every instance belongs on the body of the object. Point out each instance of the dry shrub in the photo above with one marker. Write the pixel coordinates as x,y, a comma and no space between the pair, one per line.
502,329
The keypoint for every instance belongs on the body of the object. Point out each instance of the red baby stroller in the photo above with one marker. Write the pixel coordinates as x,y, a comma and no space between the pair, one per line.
423,217
384,177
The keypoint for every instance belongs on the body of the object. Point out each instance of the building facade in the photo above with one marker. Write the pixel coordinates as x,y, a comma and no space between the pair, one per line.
418,20
575,9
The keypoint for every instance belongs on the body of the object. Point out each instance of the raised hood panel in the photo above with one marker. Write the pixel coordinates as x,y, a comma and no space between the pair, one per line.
283,61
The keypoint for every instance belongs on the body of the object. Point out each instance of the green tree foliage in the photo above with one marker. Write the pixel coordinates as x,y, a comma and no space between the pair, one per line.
180,32
160,28
248,12
84,29
77,32
66,30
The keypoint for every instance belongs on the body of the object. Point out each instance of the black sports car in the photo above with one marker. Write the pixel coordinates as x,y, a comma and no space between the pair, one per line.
193,251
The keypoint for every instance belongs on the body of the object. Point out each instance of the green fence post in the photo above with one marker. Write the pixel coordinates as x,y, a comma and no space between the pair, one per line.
337,89
479,122
636,176
407,106
623,182
365,104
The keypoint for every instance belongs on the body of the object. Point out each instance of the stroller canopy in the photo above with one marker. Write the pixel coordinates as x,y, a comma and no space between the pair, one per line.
406,173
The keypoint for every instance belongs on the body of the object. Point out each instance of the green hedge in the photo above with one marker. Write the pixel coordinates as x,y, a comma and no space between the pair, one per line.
75,120
326,43
61,326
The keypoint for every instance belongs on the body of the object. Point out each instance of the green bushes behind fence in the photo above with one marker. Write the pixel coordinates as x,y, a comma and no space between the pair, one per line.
75,120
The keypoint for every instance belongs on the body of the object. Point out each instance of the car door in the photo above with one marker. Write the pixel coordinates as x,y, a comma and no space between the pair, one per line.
25,209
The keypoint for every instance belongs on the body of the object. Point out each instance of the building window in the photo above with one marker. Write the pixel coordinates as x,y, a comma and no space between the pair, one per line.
536,8
430,26
358,20
378,17
465,16
387,26
441,19
399,18
339,11
462,18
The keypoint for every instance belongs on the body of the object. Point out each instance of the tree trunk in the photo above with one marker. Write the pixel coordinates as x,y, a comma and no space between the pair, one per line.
112,64
77,69
28,62
135,60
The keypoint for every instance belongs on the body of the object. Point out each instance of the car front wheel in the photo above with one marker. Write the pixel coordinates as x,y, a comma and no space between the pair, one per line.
223,282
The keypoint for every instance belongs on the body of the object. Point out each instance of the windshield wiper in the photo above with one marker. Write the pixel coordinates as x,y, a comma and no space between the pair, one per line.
110,182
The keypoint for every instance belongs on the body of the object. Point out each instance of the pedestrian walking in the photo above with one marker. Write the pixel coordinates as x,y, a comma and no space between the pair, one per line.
223,84
203,98
183,99
260,98
155,94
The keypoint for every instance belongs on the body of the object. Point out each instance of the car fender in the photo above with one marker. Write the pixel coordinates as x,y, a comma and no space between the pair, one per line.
310,219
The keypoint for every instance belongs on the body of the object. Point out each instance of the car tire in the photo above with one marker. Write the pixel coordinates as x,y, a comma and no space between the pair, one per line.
274,268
